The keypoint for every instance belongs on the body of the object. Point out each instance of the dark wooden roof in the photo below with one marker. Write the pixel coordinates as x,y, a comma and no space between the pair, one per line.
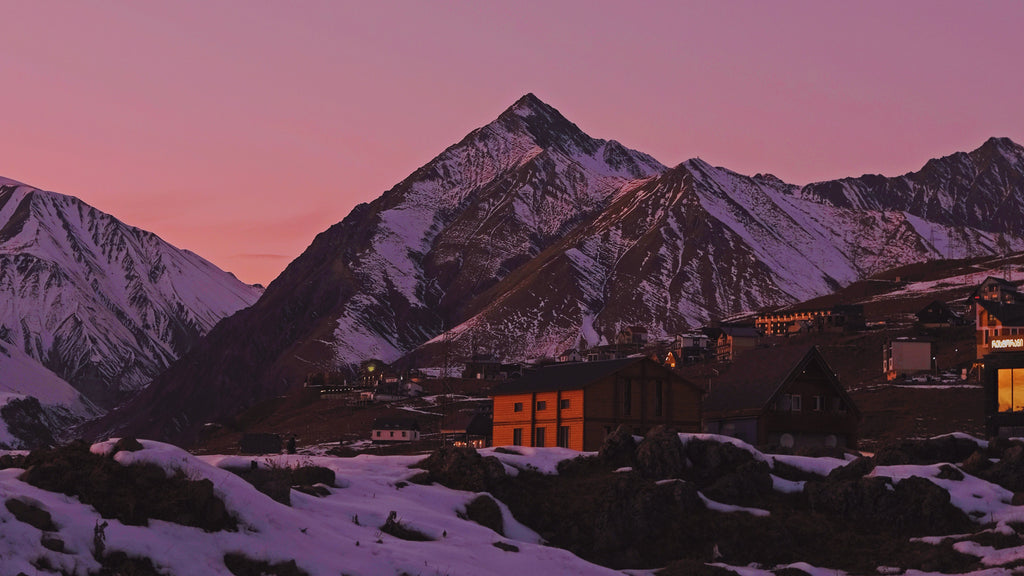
478,423
741,331
396,423
1008,314
566,376
756,377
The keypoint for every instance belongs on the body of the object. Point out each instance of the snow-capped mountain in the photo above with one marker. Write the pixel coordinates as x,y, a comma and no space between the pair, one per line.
92,309
981,189
529,236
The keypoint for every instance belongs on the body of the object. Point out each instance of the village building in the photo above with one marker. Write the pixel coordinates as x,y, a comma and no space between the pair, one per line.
782,397
486,367
938,314
576,405
395,429
570,355
734,340
689,349
906,356
791,322
632,335
995,322
468,429
1003,381
998,290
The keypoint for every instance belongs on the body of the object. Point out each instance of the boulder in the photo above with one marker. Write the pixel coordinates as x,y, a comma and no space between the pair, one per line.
976,462
485,511
128,444
1008,472
462,468
30,514
619,449
661,455
857,469
913,506
931,451
711,460
746,486
950,472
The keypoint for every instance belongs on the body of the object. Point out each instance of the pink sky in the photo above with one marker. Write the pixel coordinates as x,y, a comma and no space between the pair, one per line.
241,129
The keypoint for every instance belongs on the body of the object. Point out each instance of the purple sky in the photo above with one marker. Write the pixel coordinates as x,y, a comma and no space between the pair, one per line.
241,129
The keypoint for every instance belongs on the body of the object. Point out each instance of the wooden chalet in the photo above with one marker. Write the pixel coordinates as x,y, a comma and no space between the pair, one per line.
786,396
998,290
734,340
938,314
472,429
570,355
995,321
576,405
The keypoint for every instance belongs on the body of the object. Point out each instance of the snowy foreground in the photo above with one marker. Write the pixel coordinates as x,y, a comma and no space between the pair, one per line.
339,533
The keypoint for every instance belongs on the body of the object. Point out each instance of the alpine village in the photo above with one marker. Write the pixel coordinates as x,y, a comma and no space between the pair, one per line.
540,352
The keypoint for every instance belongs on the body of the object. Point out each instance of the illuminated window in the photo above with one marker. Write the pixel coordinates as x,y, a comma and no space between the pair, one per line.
1010,389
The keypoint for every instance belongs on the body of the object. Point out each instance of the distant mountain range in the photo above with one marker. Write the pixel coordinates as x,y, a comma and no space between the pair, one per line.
528,237
91,310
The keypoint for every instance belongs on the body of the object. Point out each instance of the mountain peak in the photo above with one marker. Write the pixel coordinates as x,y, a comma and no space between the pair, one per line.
1001,144
528,105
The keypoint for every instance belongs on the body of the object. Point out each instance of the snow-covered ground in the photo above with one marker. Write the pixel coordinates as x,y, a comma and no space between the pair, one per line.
340,533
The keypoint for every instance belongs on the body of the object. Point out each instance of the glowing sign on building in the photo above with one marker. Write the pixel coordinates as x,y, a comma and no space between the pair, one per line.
1007,343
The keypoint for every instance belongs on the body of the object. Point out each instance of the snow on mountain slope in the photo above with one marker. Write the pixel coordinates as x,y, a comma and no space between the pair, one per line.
56,403
100,306
695,244
477,211
979,189
528,235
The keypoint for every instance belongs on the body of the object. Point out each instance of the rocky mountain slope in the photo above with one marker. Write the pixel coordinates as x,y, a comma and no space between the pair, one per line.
528,236
92,309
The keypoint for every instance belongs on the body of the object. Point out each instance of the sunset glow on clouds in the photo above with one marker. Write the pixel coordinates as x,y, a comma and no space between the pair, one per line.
240,129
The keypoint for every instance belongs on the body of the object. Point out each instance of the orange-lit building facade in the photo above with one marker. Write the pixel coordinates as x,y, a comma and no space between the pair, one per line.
577,405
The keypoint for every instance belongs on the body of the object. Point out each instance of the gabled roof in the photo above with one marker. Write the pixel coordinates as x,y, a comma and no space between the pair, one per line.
1008,314
757,376
478,423
937,309
1005,285
566,376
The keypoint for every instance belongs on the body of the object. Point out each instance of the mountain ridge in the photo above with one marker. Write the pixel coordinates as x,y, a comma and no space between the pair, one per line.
93,306
528,235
